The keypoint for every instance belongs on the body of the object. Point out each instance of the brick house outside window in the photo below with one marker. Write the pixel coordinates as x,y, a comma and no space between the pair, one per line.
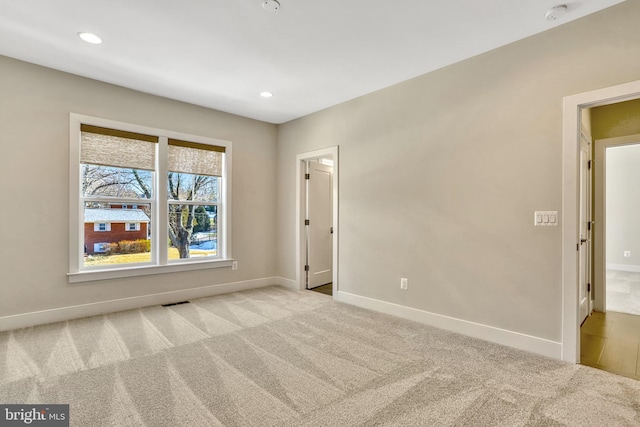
103,226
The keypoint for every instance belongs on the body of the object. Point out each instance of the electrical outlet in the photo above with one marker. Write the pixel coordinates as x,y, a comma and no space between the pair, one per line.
627,254
404,282
234,265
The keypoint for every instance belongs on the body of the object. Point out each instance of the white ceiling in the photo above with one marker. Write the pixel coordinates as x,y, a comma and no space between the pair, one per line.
222,53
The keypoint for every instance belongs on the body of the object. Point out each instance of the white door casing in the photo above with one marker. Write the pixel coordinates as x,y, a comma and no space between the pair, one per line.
584,246
320,225
599,235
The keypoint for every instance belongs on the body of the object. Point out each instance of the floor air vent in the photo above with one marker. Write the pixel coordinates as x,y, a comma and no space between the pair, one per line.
175,303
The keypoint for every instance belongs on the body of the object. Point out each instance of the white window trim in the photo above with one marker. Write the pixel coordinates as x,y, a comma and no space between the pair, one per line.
96,227
78,273
127,226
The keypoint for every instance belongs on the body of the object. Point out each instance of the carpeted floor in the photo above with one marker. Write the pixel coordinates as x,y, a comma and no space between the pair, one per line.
275,357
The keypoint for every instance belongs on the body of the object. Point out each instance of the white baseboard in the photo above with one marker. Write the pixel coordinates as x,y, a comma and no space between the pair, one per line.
287,283
85,310
488,333
623,267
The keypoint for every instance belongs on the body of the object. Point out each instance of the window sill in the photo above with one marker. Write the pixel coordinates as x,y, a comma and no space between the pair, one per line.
145,270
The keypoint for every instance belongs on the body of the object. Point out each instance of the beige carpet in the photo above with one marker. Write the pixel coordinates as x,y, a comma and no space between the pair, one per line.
274,357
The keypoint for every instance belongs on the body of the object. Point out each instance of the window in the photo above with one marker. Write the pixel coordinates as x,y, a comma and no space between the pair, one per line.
193,190
101,226
150,200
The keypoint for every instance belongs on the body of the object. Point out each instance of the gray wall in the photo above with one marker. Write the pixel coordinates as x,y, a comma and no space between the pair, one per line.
440,176
35,103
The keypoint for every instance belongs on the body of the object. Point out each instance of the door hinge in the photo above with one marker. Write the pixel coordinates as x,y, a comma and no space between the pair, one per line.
588,287
589,225
589,164
306,222
307,176
306,268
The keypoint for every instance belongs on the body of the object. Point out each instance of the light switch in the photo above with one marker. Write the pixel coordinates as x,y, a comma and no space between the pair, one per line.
546,218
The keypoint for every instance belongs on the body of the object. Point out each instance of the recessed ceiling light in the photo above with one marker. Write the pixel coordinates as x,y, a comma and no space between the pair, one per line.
266,94
90,38
555,12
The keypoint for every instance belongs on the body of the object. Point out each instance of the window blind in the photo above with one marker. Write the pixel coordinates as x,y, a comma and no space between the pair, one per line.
111,147
194,158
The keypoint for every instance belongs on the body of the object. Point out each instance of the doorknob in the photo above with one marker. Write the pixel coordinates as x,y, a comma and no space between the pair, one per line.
331,230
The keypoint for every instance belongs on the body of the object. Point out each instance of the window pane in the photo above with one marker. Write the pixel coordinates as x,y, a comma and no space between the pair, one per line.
193,231
108,181
111,242
188,187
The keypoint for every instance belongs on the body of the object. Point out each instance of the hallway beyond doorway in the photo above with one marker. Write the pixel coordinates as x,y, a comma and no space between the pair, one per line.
623,292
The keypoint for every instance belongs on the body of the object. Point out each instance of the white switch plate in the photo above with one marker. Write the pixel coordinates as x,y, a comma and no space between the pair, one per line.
234,265
546,218
404,282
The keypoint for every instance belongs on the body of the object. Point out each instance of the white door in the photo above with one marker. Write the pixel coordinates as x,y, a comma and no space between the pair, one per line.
320,219
584,246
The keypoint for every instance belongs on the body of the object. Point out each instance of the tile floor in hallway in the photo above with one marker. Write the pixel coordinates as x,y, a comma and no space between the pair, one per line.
623,291
610,341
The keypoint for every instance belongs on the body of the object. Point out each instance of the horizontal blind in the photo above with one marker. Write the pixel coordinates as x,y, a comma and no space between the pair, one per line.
194,158
111,147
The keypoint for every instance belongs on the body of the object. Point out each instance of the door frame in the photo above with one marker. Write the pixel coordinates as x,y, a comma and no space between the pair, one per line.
587,205
572,107
301,209
319,208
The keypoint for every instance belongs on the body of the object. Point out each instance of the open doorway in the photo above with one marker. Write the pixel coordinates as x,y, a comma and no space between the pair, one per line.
573,107
317,227
610,338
